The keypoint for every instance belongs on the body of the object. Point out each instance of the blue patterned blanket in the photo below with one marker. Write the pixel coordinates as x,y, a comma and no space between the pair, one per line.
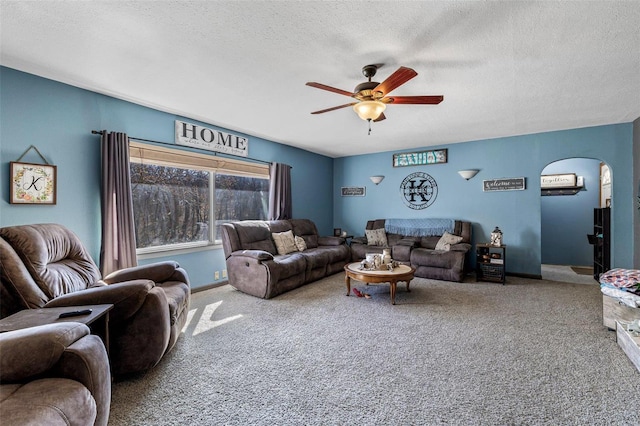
419,227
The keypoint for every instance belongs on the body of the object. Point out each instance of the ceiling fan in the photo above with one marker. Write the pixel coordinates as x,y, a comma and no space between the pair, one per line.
372,97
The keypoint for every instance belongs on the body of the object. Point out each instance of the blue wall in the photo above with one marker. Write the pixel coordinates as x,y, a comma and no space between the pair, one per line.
567,219
58,119
517,213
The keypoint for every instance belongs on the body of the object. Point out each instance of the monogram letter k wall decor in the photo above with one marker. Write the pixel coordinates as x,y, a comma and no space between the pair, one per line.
418,190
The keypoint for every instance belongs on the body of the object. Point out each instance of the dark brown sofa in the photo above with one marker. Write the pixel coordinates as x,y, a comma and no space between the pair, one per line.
420,251
46,265
255,267
55,374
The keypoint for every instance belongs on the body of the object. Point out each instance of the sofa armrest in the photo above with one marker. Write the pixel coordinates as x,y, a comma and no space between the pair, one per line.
126,297
157,272
464,247
359,240
86,361
330,241
253,254
35,350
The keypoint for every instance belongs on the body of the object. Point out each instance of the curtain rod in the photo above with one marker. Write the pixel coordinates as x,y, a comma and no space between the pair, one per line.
99,132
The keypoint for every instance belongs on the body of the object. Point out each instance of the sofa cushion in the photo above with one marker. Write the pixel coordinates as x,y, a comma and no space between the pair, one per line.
288,265
255,235
51,401
447,240
54,257
300,243
376,237
429,242
306,229
436,258
285,243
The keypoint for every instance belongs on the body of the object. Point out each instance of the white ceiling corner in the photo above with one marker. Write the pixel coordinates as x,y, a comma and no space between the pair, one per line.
505,68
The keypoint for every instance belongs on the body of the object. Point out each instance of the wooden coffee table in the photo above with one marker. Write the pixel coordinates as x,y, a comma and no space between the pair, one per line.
399,273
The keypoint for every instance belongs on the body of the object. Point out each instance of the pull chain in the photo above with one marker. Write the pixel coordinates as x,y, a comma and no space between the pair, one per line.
369,120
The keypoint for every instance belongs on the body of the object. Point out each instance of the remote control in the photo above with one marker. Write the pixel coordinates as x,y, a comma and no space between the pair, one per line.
75,313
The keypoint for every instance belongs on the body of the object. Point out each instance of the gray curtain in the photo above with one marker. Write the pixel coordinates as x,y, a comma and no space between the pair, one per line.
280,191
118,248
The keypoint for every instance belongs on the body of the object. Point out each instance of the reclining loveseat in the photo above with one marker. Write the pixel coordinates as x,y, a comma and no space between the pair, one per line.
268,258
46,265
436,248
54,374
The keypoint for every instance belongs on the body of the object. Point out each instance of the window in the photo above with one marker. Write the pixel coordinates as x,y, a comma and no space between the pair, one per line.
175,193
240,198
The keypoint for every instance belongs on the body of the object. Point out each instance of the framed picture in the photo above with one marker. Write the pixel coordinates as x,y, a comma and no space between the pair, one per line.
421,158
33,183
337,232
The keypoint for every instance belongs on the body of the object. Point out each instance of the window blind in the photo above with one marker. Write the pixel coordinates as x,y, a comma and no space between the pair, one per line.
161,156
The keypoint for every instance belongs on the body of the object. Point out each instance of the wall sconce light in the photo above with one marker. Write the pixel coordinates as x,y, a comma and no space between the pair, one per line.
468,174
376,179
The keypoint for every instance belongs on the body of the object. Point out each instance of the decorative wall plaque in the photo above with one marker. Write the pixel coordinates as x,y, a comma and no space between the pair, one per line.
504,184
189,134
566,180
33,183
419,190
421,158
353,191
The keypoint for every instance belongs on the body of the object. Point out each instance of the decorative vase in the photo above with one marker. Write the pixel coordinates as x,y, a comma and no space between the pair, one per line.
386,256
496,237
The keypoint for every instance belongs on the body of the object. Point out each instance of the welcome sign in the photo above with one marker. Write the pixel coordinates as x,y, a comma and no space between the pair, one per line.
195,136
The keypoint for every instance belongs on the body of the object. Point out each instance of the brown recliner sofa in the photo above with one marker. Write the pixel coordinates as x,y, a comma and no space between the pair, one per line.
255,266
419,251
46,265
55,374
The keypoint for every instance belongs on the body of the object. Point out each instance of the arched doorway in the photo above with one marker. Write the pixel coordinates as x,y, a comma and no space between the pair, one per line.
571,189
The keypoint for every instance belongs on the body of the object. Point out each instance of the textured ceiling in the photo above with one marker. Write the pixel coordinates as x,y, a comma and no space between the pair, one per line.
504,68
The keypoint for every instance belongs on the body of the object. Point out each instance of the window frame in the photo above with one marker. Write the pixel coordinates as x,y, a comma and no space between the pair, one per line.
150,154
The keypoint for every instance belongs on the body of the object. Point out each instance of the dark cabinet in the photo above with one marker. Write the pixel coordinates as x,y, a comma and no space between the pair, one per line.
491,262
601,240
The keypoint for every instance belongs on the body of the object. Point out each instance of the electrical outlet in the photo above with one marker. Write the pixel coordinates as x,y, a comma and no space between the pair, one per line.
216,275
224,273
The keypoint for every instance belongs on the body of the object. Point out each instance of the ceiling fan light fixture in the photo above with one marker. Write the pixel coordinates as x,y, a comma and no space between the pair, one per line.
369,110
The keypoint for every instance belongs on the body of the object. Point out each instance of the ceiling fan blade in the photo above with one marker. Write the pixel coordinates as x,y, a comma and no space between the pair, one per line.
329,88
334,108
428,100
397,79
380,117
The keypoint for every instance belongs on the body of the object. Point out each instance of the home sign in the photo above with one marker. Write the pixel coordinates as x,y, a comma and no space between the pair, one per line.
195,136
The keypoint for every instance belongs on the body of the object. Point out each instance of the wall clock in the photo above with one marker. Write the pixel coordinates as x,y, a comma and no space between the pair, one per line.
33,183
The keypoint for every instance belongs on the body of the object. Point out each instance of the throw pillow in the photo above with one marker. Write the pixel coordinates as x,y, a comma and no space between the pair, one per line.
285,243
446,240
376,237
302,246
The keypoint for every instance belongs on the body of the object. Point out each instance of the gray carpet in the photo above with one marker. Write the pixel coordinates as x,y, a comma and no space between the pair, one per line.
531,352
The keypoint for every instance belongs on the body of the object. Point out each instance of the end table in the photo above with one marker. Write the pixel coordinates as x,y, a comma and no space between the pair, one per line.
97,320
491,263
